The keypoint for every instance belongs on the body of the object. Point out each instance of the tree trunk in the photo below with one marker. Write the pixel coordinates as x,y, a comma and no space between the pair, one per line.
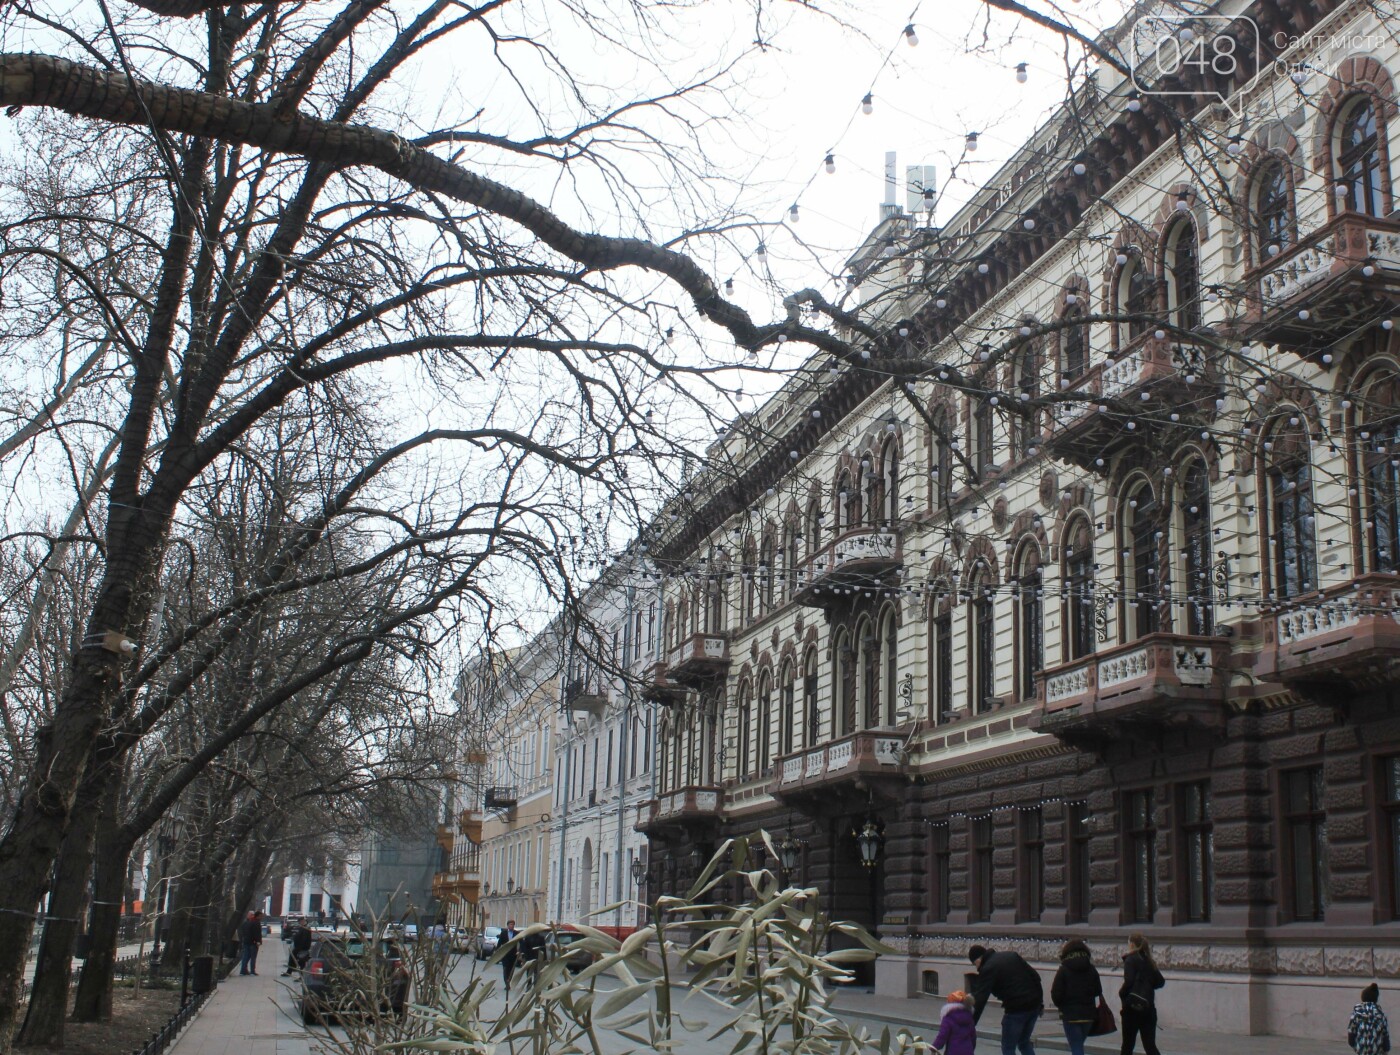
94,1000
48,1001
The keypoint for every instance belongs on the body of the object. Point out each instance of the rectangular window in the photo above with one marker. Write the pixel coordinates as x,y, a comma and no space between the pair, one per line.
943,661
1142,856
1391,805
1197,850
293,902
1032,632
608,783
313,903
940,873
337,906
984,646
1031,864
1305,836
981,900
1295,546
1078,900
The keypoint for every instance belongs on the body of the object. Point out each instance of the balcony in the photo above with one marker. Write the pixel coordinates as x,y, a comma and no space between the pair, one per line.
861,556
1156,682
689,809
1173,374
1346,640
457,885
699,657
499,798
1340,275
585,696
444,837
658,686
856,765
469,824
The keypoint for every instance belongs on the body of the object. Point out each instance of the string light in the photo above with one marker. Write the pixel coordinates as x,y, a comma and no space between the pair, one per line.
1021,75
793,214
971,142
830,163
911,36
867,105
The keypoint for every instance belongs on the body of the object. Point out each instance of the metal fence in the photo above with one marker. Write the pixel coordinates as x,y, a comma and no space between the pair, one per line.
167,1033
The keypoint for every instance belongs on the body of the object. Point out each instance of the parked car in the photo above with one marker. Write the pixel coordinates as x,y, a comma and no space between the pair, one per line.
341,973
490,939
462,940
291,922
560,944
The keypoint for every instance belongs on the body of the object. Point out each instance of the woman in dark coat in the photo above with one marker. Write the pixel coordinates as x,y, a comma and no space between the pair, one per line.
1075,993
1141,980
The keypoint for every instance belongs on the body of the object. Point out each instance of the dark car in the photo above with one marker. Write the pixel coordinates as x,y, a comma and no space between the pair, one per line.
344,972
560,944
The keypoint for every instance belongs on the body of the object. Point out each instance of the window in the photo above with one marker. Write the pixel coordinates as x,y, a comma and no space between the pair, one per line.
943,664
1380,453
1305,840
889,660
607,783
767,572
848,514
1183,276
809,697
1030,865
765,724
787,572
1143,535
869,675
714,603
293,902
1027,387
1142,856
814,525
1359,157
941,872
1134,298
843,719
1074,344
1197,851
1077,835
1292,538
1196,548
313,903
942,471
1029,606
1391,806
789,711
1273,209
874,490
980,909
984,643
744,731
750,582
889,464
1079,584
983,441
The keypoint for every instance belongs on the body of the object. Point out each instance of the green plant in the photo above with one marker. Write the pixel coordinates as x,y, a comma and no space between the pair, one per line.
757,972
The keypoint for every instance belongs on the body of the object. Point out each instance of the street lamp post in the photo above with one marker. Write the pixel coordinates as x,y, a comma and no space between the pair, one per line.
639,876
789,850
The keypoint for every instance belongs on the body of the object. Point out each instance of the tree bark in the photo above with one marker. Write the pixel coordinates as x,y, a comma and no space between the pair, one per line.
48,1001
93,1002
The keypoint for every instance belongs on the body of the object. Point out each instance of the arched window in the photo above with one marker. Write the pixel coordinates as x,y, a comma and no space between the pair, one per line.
1358,154
844,678
983,437
787,571
983,639
1196,548
941,652
1378,440
809,698
889,661
764,759
889,471
750,581
787,738
1026,386
714,599
869,643
767,572
1142,535
1292,532
1079,589
1074,341
745,732
1133,297
942,471
1272,209
874,489
1030,621
1183,275
848,508
814,525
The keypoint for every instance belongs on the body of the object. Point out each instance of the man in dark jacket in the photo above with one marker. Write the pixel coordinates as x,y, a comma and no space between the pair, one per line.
249,938
301,948
1016,984
512,954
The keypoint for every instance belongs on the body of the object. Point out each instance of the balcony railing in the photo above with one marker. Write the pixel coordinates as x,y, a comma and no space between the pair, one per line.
469,824
1159,679
1173,374
689,807
457,885
1348,637
698,657
659,687
585,695
1320,288
852,761
499,798
860,556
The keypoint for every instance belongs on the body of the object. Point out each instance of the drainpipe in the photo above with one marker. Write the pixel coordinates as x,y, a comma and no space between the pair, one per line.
627,632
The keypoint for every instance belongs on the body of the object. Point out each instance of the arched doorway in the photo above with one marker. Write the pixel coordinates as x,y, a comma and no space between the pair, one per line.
585,896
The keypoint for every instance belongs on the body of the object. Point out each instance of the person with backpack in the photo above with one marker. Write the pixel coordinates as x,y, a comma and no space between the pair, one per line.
1141,980
1076,992
1368,1033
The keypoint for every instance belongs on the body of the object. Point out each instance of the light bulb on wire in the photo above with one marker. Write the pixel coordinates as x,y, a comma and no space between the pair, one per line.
830,163
867,105
971,142
793,213
911,36
1022,75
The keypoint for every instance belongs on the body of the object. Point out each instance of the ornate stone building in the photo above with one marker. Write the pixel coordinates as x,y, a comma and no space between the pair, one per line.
1067,607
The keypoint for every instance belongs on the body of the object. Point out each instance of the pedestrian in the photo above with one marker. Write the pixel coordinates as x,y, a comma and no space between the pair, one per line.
508,960
532,948
957,1030
1075,992
301,949
249,938
1368,1033
1009,978
1138,994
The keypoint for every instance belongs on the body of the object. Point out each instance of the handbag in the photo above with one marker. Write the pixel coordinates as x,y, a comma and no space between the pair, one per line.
1104,1022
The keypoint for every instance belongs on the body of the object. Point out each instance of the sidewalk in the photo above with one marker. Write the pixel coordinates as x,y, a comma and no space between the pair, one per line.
921,1016
246,1016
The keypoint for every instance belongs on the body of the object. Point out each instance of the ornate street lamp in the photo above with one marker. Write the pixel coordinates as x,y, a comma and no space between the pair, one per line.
869,841
639,871
789,850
